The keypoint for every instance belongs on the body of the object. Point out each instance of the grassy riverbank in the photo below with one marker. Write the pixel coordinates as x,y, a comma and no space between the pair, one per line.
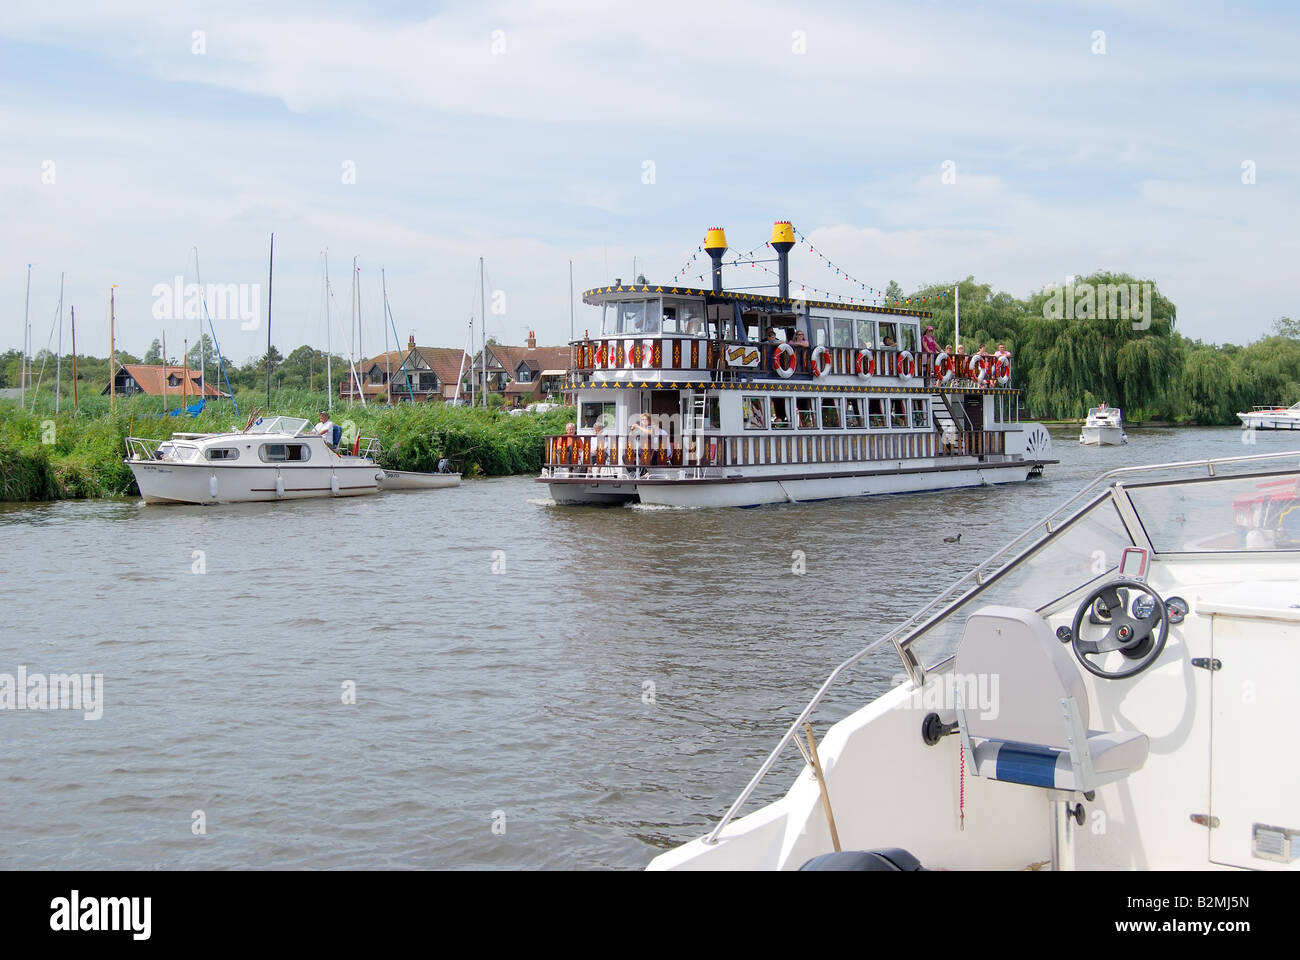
49,457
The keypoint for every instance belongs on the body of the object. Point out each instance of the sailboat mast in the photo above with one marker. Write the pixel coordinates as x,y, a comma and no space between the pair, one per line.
112,350
483,334
58,362
388,367
75,403
27,337
203,381
270,276
329,349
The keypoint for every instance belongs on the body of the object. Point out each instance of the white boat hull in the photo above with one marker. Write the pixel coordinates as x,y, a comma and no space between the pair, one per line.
674,491
1102,436
410,480
1269,421
203,483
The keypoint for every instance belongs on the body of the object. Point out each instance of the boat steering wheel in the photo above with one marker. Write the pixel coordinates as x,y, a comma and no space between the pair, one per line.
1132,636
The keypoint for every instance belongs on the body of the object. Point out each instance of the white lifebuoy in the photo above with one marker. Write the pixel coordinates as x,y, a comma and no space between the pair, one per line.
975,367
824,368
866,365
904,360
783,370
1002,371
944,367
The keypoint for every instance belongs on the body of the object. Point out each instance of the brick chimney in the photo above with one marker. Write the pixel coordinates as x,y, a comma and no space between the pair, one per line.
532,340
411,344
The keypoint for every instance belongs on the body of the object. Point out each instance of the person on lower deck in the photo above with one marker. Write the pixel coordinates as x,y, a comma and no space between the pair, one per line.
648,439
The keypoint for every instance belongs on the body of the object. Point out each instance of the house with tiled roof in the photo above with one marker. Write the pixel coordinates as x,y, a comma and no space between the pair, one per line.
525,374
155,380
416,373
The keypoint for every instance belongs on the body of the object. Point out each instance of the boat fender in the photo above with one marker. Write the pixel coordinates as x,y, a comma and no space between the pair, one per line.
906,365
784,370
823,366
865,364
944,367
279,484
334,483
212,485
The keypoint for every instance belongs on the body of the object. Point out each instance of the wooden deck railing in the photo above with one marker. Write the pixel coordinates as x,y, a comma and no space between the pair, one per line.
607,451
695,354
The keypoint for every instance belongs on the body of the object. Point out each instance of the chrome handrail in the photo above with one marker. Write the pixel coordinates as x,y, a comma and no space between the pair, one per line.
914,625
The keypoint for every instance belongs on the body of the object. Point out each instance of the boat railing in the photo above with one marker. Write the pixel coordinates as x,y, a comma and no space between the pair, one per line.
906,633
613,354
142,448
369,447
590,455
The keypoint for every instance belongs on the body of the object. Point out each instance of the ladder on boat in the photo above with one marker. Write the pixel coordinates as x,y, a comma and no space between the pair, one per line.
695,426
947,421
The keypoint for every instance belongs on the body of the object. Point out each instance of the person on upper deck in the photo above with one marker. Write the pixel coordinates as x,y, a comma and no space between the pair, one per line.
771,336
1003,352
800,339
889,344
928,343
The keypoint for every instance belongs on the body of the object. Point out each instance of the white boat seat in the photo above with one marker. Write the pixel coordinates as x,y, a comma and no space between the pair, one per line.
1036,731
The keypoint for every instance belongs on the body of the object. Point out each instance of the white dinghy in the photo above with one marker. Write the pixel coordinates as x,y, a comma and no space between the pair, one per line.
1091,672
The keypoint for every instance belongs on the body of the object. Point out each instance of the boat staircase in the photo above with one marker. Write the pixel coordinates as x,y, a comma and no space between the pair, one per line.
948,418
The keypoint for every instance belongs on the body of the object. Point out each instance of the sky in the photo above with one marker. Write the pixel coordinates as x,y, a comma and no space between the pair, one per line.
920,142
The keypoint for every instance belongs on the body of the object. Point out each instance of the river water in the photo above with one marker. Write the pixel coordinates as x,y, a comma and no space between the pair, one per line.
470,678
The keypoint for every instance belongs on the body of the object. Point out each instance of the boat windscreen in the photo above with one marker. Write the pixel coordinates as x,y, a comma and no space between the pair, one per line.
1085,549
1221,514
289,425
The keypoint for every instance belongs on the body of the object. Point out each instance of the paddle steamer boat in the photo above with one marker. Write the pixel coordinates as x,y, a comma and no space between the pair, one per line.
768,399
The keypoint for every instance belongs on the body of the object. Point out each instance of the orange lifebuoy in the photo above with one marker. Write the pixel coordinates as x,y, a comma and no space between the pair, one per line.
978,368
865,364
906,365
1001,371
944,367
786,368
822,369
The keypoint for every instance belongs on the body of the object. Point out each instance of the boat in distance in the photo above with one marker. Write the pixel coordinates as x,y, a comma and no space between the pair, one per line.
1124,663
1271,418
273,458
706,397
1104,427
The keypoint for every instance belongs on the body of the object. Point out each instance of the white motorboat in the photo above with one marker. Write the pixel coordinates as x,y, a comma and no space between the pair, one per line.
272,459
1104,427
1111,690
1272,418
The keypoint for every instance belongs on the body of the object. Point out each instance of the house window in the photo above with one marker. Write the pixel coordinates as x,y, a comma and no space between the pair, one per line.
780,413
428,382
755,416
830,413
853,413
806,409
524,375
376,375
173,381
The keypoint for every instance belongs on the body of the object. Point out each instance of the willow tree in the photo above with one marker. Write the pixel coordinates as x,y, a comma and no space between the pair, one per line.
1104,338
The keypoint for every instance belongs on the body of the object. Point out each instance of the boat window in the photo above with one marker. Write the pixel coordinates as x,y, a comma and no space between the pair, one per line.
830,413
754,327
866,334
898,413
165,451
876,413
184,452
910,337
806,409
889,336
1220,515
818,331
631,317
594,412
754,414
780,413
284,452
919,418
853,413
714,407
842,332
222,453
1086,550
